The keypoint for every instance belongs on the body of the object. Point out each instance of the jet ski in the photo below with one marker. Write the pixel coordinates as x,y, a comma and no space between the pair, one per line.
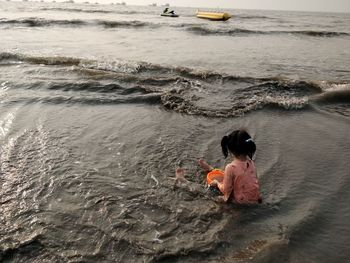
169,13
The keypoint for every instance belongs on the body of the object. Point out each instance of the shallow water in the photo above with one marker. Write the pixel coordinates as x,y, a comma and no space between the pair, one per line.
99,104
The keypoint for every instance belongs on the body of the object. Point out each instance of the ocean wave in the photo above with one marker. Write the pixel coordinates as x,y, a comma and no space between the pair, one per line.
334,96
182,89
316,33
241,104
195,28
150,99
241,31
134,23
215,31
85,10
57,60
247,16
62,9
41,22
186,25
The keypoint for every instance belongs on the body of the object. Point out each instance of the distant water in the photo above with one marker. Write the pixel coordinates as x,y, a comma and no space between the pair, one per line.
100,103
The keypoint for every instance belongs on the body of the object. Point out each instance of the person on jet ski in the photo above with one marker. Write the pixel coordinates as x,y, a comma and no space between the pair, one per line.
166,11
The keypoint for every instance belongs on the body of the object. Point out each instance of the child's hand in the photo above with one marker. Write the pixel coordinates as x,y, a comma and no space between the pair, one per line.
214,183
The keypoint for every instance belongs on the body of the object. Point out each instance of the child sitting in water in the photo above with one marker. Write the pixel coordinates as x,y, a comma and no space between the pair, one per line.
239,181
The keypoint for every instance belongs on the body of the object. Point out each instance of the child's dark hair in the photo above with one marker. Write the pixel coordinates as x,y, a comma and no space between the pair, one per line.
238,142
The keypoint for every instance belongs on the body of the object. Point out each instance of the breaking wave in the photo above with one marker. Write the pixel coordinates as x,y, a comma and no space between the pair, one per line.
179,89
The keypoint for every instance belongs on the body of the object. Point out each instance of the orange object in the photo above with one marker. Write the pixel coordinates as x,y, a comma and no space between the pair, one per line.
215,174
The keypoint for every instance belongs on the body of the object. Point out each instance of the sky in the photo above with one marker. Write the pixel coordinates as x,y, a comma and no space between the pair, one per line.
298,5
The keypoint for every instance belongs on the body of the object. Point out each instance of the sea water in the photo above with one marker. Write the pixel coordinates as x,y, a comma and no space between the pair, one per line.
100,103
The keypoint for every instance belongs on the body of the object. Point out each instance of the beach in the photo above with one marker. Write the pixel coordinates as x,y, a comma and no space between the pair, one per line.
100,103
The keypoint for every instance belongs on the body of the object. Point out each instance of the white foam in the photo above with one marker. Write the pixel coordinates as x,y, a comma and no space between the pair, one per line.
6,123
114,66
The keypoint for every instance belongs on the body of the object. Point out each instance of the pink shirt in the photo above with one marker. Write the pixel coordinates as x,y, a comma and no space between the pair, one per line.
241,178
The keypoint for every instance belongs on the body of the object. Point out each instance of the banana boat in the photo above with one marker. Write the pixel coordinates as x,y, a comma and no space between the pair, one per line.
214,16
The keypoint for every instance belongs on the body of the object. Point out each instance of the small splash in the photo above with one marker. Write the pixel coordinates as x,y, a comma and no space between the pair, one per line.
6,123
3,89
156,238
155,179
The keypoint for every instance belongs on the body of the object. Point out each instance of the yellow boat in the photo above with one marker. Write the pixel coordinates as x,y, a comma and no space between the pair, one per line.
214,16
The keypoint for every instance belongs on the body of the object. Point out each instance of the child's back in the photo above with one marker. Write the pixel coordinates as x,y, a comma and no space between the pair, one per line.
246,188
